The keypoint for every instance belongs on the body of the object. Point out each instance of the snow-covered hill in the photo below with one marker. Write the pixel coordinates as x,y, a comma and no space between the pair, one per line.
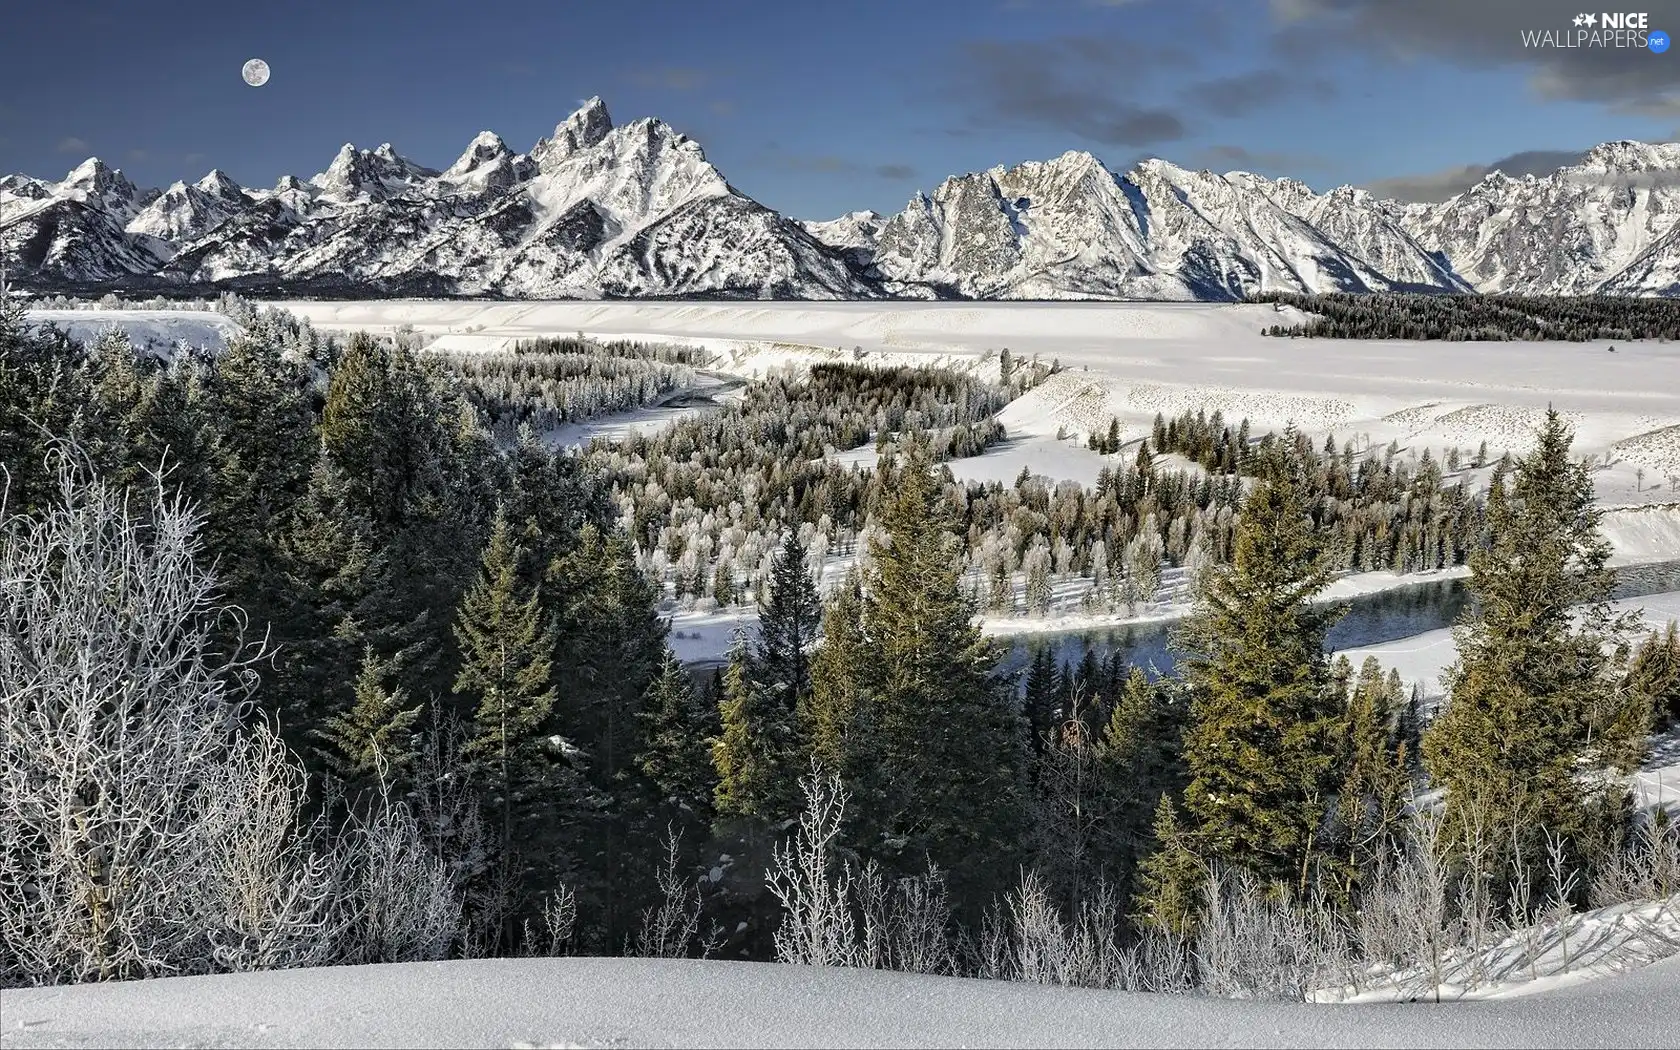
603,211
585,1002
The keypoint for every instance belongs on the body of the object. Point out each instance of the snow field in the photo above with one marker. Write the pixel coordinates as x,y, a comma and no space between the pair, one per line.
601,1002
1129,360
162,331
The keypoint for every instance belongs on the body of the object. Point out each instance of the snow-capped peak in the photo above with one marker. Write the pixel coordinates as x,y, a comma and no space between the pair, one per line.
369,173
855,230
1627,156
218,184
94,177
583,129
485,148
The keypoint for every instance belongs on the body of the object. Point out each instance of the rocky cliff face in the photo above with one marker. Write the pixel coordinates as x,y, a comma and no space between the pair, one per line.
598,210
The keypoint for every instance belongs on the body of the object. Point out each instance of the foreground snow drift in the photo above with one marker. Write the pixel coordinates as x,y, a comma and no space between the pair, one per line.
635,1002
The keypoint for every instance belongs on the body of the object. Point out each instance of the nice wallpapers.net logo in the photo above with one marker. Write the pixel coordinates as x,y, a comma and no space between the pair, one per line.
1630,30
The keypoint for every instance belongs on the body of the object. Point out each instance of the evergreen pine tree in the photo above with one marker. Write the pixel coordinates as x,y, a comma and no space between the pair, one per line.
374,741
788,626
676,749
612,644
1260,745
1043,688
1171,877
44,397
1079,821
506,668
827,720
949,748
754,756
1527,697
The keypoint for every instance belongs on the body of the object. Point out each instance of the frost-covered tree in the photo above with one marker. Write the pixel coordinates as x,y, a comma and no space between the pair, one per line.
146,828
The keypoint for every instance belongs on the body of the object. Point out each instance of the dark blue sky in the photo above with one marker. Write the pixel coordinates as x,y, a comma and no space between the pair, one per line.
816,108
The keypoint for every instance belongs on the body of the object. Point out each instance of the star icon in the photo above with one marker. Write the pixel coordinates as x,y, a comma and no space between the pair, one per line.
1580,20
1592,20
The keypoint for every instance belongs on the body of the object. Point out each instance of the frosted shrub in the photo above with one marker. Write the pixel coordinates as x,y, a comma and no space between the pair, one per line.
142,830
906,925
1255,942
1647,868
145,830
670,929
398,900
817,926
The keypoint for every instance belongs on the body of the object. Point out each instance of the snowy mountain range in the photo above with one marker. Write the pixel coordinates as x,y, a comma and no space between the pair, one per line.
603,211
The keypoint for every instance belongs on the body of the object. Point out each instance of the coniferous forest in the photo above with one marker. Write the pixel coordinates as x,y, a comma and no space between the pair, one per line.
317,650
1478,318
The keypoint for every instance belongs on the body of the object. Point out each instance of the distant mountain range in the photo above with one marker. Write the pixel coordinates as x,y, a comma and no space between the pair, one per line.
598,211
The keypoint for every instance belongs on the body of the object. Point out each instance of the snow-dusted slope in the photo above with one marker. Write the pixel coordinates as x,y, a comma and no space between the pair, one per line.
592,211
602,211
1599,225
160,332
682,1003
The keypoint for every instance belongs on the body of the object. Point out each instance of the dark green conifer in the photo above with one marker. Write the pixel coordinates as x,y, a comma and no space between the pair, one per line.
1261,745
1531,697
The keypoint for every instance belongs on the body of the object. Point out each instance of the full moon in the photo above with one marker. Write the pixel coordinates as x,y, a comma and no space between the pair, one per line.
255,72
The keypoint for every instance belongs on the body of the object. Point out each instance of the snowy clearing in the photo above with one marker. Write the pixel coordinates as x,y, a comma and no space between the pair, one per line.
161,331
637,1002
1130,360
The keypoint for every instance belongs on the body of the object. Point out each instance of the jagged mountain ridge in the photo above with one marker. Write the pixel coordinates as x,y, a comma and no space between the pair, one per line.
600,211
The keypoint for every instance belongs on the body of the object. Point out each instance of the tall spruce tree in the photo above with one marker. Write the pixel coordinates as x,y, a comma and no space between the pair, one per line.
946,777
1042,696
1538,670
611,646
506,669
1260,745
755,754
676,748
264,436
788,626
828,718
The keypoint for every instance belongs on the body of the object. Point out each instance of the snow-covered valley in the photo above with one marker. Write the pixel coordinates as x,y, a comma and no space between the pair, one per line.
1121,361
1132,360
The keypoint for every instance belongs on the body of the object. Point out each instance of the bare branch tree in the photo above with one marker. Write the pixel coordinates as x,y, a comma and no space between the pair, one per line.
815,892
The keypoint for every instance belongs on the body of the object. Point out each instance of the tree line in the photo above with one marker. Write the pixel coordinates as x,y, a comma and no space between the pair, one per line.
547,383
1478,318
